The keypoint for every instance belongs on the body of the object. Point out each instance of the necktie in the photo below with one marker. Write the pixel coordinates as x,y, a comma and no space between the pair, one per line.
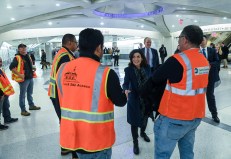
147,56
203,51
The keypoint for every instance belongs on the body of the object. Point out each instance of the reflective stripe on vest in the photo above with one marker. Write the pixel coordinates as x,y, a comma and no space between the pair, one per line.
52,91
91,117
59,78
5,85
87,117
6,88
19,69
188,91
96,89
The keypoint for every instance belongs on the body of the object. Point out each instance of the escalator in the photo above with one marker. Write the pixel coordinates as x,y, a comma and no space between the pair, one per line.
227,42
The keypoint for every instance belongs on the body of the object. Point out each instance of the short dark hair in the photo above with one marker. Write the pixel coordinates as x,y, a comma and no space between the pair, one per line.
89,40
204,36
143,62
21,46
193,33
67,38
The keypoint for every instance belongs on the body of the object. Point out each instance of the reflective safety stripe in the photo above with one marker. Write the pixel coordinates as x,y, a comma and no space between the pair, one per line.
52,88
6,88
57,61
19,63
188,91
189,71
96,89
52,91
52,80
87,116
59,78
185,92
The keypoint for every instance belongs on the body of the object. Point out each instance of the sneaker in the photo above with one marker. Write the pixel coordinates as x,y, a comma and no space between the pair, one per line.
25,113
34,107
3,127
11,120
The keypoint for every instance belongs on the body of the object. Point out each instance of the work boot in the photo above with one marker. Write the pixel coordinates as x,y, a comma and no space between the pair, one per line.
3,127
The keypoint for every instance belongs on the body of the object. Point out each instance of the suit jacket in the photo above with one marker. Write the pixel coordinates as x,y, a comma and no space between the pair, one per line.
155,59
214,66
163,52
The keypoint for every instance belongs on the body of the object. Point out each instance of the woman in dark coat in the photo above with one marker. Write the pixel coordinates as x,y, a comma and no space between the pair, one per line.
136,74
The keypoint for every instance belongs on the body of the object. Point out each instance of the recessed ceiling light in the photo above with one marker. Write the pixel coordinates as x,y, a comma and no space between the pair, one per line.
183,8
225,18
177,15
102,23
195,21
173,26
12,18
142,26
49,23
9,7
57,4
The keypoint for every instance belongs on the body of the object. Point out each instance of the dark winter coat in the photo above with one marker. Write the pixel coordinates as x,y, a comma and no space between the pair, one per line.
134,114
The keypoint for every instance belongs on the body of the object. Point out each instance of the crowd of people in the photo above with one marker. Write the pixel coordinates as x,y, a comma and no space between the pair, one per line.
87,118
114,52
23,72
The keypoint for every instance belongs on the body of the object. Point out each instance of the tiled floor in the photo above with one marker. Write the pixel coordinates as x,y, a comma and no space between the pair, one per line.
37,136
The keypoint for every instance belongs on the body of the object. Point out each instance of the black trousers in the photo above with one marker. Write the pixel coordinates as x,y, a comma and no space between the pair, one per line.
56,105
6,108
211,99
134,130
116,60
162,59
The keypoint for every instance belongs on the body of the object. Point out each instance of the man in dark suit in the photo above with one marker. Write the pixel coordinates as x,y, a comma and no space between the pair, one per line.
214,79
225,52
150,54
163,53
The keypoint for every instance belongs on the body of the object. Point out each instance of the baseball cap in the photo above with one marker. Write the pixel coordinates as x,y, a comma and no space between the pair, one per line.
21,45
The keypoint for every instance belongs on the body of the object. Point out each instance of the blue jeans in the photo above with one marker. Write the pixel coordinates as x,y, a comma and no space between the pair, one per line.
26,87
169,131
105,154
6,108
1,105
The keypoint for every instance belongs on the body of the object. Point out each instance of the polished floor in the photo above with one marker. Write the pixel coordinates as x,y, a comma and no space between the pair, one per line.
37,136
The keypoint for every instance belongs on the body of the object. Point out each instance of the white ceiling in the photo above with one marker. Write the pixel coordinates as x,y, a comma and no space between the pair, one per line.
31,14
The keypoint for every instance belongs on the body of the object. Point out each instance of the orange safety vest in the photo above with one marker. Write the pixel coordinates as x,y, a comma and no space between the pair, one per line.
186,100
5,85
87,114
62,52
20,69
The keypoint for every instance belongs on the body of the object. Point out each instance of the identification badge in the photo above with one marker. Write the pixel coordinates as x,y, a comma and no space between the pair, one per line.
201,70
